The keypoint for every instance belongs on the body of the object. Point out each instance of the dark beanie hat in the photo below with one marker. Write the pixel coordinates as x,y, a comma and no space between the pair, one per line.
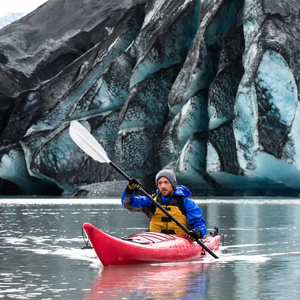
169,174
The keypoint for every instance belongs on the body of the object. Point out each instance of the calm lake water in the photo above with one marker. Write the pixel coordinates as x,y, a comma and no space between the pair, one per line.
41,255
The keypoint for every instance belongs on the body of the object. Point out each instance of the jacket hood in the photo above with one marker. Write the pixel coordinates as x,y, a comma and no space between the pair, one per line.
181,190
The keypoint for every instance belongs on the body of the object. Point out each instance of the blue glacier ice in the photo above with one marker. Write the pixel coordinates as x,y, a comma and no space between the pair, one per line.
209,89
275,77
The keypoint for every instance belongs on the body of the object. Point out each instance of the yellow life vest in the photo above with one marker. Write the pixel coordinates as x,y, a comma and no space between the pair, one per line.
160,222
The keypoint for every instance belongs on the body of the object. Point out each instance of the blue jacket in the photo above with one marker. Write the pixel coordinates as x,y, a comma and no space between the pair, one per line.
193,212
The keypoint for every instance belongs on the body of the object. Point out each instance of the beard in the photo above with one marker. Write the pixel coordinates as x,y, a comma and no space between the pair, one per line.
167,193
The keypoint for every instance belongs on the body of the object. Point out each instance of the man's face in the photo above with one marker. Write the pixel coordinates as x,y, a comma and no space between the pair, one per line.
165,187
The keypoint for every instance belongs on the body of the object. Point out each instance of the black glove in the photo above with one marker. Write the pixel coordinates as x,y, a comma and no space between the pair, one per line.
195,234
133,185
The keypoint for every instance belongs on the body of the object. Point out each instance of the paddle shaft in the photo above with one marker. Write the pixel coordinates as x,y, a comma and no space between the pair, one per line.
163,210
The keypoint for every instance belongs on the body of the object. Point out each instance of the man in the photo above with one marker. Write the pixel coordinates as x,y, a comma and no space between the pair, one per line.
172,197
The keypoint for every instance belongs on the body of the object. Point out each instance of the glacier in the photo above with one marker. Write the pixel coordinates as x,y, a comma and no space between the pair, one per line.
209,89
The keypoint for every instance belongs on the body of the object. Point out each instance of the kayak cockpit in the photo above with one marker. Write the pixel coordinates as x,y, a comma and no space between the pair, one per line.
149,238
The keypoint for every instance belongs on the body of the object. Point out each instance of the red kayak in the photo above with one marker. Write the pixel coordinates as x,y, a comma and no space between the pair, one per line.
146,247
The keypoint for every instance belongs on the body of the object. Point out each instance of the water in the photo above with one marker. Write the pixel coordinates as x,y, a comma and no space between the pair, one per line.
41,255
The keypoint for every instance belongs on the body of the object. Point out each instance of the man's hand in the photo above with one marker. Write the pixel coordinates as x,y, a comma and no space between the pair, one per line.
133,185
196,234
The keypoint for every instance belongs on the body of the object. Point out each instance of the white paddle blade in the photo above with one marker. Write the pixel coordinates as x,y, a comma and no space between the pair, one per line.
86,142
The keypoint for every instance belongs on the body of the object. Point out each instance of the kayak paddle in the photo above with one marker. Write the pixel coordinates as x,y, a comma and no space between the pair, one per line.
86,142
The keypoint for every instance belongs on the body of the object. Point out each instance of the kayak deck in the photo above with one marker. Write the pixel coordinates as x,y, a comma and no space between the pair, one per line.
146,247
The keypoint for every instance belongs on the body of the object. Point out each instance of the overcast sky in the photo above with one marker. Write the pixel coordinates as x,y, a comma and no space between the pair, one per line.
16,6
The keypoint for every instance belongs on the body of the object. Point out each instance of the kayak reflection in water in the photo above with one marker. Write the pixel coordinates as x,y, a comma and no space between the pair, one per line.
174,198
189,281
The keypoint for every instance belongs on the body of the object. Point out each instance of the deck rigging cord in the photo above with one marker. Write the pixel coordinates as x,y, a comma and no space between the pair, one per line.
87,244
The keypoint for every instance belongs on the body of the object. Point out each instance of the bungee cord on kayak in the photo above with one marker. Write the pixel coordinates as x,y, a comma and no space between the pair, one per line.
86,242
